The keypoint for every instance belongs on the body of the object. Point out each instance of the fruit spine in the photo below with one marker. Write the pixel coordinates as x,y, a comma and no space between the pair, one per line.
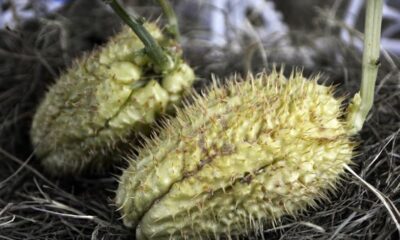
262,148
103,99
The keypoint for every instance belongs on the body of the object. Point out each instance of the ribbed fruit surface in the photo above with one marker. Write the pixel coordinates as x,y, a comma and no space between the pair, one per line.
102,100
238,158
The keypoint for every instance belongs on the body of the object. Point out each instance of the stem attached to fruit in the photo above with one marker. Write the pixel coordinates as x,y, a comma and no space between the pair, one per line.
370,61
172,19
157,55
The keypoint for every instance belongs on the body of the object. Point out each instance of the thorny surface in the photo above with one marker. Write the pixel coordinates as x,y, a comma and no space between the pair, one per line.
35,206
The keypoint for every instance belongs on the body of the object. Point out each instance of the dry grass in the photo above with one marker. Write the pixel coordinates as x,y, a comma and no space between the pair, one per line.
34,206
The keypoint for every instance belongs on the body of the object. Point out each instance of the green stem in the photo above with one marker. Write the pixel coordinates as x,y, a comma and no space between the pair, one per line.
153,50
172,19
370,61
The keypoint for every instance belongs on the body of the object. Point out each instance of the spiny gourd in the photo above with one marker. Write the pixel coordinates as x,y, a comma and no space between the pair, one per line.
236,159
103,99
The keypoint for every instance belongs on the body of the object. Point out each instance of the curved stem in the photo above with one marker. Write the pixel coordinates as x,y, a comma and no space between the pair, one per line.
173,26
153,50
370,61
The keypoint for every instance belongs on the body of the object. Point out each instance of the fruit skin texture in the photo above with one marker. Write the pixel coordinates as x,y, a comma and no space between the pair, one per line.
104,99
237,159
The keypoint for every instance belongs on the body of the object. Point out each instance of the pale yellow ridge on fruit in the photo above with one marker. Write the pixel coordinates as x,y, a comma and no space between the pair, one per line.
236,159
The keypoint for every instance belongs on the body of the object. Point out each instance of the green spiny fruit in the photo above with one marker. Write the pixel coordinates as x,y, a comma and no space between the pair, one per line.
103,99
237,159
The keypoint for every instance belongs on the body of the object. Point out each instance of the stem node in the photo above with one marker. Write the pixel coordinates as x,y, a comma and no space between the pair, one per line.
359,108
